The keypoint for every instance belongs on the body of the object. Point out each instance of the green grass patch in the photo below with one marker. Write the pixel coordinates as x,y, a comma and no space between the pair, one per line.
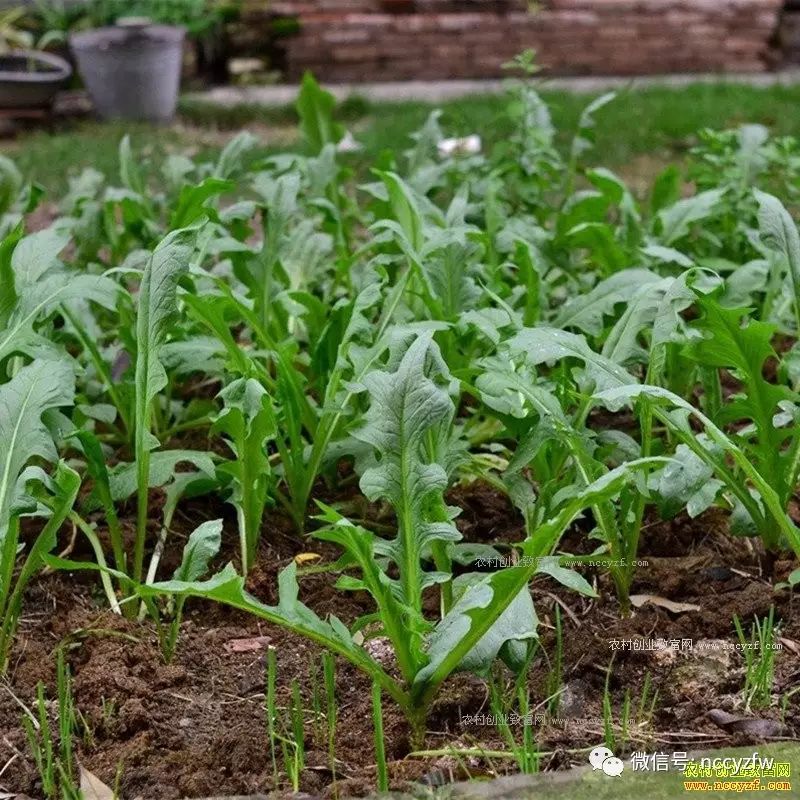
658,122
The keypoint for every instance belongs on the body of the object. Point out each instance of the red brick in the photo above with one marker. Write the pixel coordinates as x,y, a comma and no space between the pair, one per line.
351,39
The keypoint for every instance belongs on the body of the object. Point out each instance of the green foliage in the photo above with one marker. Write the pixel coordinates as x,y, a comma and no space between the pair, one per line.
197,16
317,333
315,109
10,184
27,403
744,348
471,632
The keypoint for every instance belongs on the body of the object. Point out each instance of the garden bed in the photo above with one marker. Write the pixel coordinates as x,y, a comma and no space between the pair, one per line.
197,727
467,466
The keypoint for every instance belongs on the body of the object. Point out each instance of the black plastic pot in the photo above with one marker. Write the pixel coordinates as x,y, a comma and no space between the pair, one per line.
30,79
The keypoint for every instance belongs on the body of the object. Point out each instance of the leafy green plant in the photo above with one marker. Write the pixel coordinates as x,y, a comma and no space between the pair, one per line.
34,393
157,303
10,186
315,108
38,287
12,35
557,444
201,547
469,636
248,421
197,16
752,465
273,330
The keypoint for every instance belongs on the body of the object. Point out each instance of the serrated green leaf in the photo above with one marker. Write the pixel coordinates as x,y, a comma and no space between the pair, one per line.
39,285
587,312
248,421
162,464
542,345
228,588
731,341
406,406
156,311
676,220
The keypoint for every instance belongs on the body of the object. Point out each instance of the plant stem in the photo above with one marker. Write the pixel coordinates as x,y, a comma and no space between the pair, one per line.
108,588
329,675
380,747
102,368
271,707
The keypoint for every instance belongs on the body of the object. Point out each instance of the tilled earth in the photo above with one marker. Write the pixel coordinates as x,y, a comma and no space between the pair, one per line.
197,727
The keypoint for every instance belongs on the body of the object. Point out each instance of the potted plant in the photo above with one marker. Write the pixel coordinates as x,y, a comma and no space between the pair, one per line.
130,57
29,78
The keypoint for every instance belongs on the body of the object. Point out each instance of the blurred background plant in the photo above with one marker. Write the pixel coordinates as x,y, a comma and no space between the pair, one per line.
19,32
199,17
43,24
12,35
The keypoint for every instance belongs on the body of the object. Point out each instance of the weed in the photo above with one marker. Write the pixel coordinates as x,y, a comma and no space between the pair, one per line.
51,751
758,651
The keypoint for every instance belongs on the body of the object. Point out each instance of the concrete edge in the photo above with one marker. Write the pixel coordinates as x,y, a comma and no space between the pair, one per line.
441,91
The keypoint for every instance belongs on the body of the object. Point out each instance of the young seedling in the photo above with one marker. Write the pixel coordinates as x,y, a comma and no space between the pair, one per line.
555,679
758,651
53,754
248,422
285,732
756,466
271,708
609,737
634,721
512,710
298,739
331,709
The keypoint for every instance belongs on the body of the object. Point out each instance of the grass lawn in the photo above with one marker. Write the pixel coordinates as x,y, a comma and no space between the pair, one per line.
638,132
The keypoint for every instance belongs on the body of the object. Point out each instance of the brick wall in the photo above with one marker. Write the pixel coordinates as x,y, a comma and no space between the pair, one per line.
349,40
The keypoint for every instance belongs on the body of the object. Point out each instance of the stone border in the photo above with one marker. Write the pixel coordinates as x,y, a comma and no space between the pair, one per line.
441,91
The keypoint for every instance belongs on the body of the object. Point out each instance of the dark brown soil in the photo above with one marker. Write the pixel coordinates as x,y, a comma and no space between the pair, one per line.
197,727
